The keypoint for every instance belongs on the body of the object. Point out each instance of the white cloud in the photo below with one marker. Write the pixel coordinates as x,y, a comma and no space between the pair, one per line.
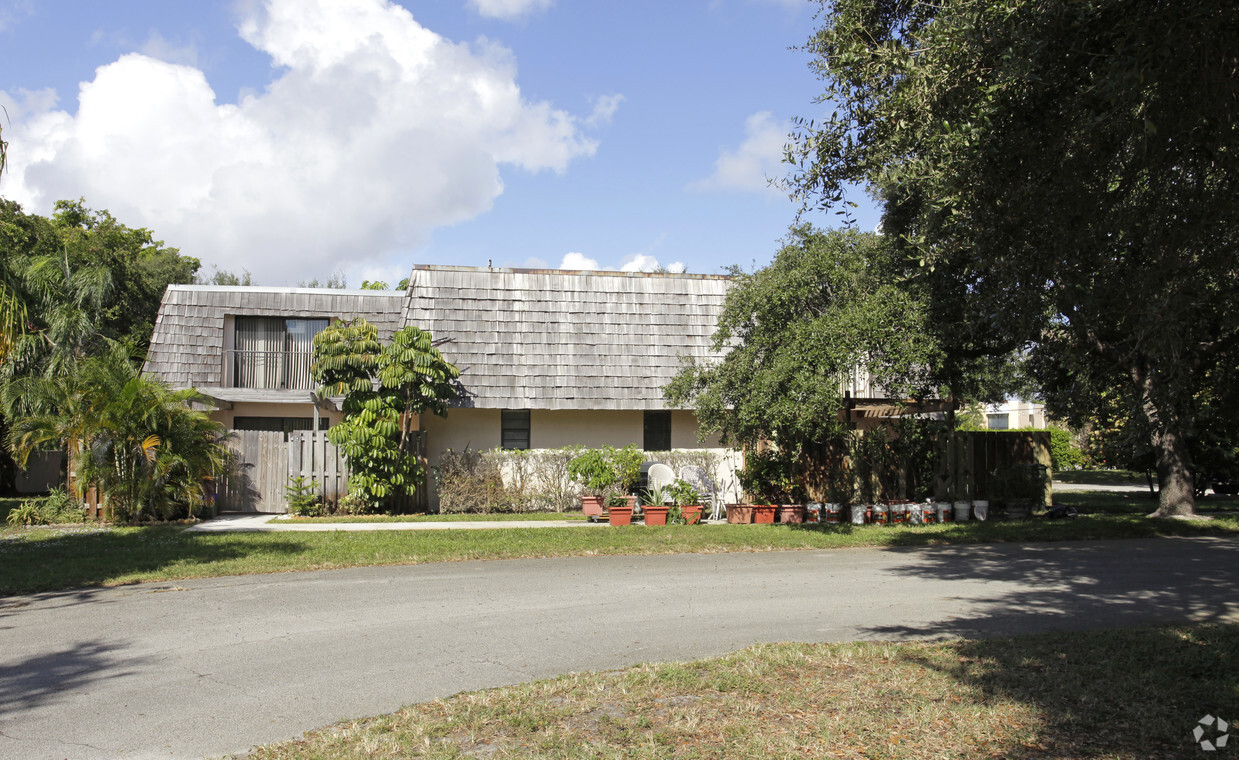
508,10
604,108
578,261
164,50
677,267
749,167
376,131
13,12
639,262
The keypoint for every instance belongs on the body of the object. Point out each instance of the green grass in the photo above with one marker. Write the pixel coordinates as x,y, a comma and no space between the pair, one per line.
457,517
45,559
1103,694
1137,502
1102,477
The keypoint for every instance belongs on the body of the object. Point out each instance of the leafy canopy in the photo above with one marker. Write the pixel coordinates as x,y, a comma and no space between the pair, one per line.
384,389
793,334
1060,177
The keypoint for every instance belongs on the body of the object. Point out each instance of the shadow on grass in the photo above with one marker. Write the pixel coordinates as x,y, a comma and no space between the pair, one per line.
1139,691
35,681
1101,477
1136,502
80,559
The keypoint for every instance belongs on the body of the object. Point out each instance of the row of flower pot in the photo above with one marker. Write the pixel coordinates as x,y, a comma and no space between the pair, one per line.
894,513
592,506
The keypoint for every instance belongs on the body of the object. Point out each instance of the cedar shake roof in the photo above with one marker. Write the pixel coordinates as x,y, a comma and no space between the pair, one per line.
553,339
522,338
187,344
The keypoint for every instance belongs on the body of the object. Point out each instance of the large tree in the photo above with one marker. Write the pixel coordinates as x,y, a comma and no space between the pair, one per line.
1061,177
792,334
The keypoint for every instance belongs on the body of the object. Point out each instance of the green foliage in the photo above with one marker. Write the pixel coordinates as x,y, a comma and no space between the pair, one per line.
384,389
56,508
373,285
1064,453
225,277
336,281
1039,162
683,494
793,334
302,495
608,469
142,445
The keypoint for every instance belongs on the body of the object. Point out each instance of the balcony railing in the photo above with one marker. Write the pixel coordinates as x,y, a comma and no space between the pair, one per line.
271,370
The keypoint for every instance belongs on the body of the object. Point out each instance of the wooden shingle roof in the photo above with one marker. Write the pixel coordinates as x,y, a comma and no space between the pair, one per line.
552,339
187,344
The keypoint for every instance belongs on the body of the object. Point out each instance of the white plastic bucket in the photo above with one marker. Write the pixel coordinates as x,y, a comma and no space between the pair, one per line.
832,513
943,510
980,509
881,514
963,511
858,514
915,515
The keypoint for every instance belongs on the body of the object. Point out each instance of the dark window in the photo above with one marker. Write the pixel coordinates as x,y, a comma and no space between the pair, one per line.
274,352
657,431
283,425
515,428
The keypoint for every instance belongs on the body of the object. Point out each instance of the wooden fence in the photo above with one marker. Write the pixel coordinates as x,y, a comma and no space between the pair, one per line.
264,461
968,460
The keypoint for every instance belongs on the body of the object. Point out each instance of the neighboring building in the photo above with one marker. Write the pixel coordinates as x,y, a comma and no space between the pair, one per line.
1014,413
548,358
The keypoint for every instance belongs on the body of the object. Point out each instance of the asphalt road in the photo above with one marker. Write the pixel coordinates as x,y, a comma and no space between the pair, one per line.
209,667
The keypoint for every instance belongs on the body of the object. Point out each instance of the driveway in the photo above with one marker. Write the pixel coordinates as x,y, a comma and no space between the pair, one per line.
208,667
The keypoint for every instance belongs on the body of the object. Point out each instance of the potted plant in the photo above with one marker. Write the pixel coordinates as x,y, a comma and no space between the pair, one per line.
654,505
758,478
597,476
618,510
791,506
687,501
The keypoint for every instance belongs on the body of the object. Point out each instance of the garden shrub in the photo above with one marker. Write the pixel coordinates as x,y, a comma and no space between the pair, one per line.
467,481
56,508
1064,452
302,495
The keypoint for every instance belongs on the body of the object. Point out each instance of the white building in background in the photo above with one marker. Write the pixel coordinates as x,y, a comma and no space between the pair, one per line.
1015,413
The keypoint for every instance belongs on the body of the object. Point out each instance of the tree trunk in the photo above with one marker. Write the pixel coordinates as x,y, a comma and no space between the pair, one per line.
1176,497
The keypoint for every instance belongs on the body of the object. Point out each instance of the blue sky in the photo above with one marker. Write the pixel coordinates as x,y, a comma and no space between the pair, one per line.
296,138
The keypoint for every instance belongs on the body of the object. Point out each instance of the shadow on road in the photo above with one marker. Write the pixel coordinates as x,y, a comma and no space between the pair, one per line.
1128,690
42,679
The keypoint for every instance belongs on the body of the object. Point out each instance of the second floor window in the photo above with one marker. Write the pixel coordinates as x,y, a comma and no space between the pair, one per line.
274,352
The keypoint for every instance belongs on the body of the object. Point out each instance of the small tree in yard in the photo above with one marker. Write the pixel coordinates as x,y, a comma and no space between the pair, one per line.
383,388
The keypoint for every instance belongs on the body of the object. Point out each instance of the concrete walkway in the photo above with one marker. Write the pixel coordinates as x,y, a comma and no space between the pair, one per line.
248,522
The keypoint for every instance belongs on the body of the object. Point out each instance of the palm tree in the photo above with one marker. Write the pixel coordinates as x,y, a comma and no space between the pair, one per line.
149,453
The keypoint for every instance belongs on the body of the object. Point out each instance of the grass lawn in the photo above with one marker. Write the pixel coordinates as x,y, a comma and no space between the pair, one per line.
46,559
1102,477
1104,694
461,517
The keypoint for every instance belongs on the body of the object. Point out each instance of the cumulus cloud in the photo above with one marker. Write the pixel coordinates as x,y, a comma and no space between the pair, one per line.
575,260
749,167
508,10
636,262
375,131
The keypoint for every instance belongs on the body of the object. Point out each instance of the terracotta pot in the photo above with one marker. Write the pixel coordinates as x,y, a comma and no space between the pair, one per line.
740,514
692,514
591,505
655,515
620,516
791,514
763,514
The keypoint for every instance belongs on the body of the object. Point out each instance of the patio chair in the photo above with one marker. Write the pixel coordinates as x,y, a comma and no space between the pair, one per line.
660,475
695,476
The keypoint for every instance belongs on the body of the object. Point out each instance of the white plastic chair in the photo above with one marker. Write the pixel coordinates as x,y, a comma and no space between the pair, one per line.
660,476
703,484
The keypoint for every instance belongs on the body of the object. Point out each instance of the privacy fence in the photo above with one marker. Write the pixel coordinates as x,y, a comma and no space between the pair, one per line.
264,461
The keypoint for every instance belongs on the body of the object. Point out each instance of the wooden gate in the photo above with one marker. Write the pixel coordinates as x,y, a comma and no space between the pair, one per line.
967,460
264,461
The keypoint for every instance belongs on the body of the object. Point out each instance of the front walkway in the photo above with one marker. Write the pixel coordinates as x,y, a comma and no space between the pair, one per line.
240,521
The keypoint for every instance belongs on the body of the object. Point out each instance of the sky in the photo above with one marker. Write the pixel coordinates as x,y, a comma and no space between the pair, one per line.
296,139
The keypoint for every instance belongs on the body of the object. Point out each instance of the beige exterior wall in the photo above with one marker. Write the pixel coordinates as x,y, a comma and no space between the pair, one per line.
244,409
480,429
